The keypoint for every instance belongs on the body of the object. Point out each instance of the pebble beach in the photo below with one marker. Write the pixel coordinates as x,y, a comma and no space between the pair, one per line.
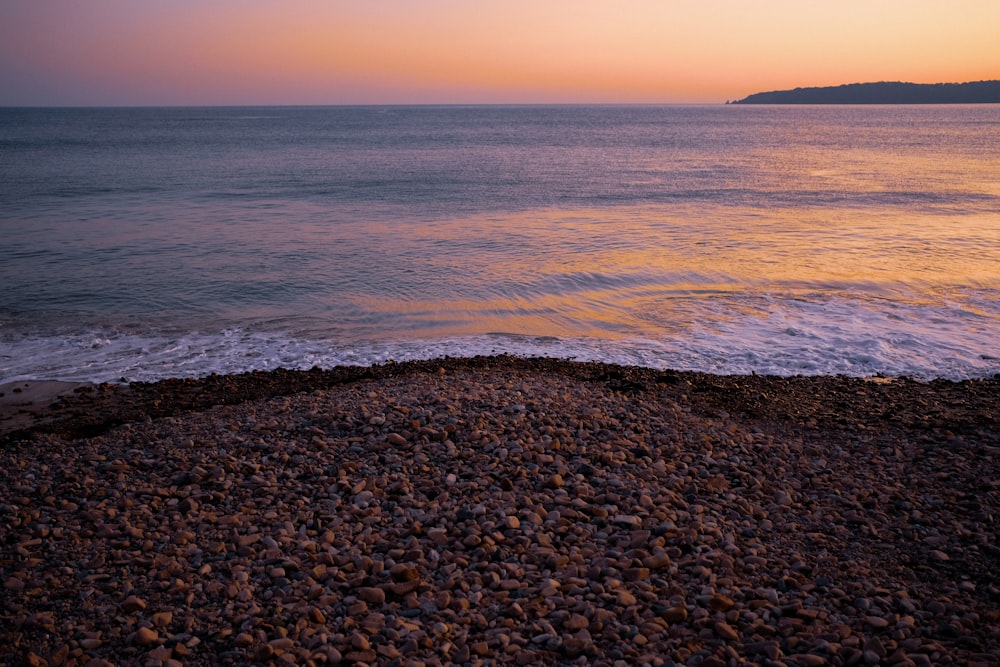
503,511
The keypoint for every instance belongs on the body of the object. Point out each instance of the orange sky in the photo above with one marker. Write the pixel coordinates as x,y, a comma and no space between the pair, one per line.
150,52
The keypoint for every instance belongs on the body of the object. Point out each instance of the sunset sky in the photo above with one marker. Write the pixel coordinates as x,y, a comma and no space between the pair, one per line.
240,52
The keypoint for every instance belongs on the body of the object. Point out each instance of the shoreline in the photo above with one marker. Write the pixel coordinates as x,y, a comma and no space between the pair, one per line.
524,511
25,403
75,409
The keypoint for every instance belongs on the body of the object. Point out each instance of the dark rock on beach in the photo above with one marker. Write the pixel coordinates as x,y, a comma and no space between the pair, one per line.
500,510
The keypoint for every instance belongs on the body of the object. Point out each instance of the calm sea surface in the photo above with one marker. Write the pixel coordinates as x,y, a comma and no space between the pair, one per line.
149,243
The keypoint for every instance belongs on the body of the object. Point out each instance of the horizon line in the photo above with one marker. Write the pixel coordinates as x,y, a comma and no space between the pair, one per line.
361,104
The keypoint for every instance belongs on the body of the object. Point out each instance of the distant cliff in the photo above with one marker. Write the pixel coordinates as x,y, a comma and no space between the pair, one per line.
884,93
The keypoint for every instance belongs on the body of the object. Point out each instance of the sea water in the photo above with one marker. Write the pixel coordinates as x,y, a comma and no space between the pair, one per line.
139,244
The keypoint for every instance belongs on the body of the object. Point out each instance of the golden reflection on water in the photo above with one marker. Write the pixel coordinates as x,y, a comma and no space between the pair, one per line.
628,272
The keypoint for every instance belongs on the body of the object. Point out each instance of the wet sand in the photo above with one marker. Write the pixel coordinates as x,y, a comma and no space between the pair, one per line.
26,403
502,511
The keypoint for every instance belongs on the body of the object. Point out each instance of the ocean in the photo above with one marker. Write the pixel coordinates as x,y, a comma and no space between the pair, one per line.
146,243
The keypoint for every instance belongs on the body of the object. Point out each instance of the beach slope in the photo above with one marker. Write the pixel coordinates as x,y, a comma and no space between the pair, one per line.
517,511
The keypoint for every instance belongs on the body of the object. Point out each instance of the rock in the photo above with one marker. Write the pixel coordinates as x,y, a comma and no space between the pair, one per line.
575,622
372,595
365,655
58,657
159,655
770,649
657,561
144,637
574,647
133,604
869,657
626,599
726,631
554,482
402,572
713,661
627,520
163,619
387,651
674,614
720,603
876,622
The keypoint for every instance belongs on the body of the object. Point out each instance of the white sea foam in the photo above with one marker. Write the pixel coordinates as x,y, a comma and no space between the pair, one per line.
849,339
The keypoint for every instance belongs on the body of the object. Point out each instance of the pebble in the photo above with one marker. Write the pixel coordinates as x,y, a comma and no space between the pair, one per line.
132,604
145,637
726,631
497,515
876,622
372,595
163,619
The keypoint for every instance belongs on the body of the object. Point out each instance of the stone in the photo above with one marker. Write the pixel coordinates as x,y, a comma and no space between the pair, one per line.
575,622
726,631
133,604
554,481
159,655
403,572
626,599
363,655
144,637
163,619
657,561
720,603
674,614
372,595
574,647
58,657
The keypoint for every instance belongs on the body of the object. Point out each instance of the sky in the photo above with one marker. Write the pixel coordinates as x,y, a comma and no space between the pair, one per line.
306,52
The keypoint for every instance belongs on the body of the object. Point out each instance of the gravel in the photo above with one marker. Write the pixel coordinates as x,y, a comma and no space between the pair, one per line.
504,511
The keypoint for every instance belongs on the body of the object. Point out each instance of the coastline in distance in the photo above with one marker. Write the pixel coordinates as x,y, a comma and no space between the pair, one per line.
973,92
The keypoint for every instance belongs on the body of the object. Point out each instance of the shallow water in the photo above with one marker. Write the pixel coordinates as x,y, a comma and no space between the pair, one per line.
146,243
